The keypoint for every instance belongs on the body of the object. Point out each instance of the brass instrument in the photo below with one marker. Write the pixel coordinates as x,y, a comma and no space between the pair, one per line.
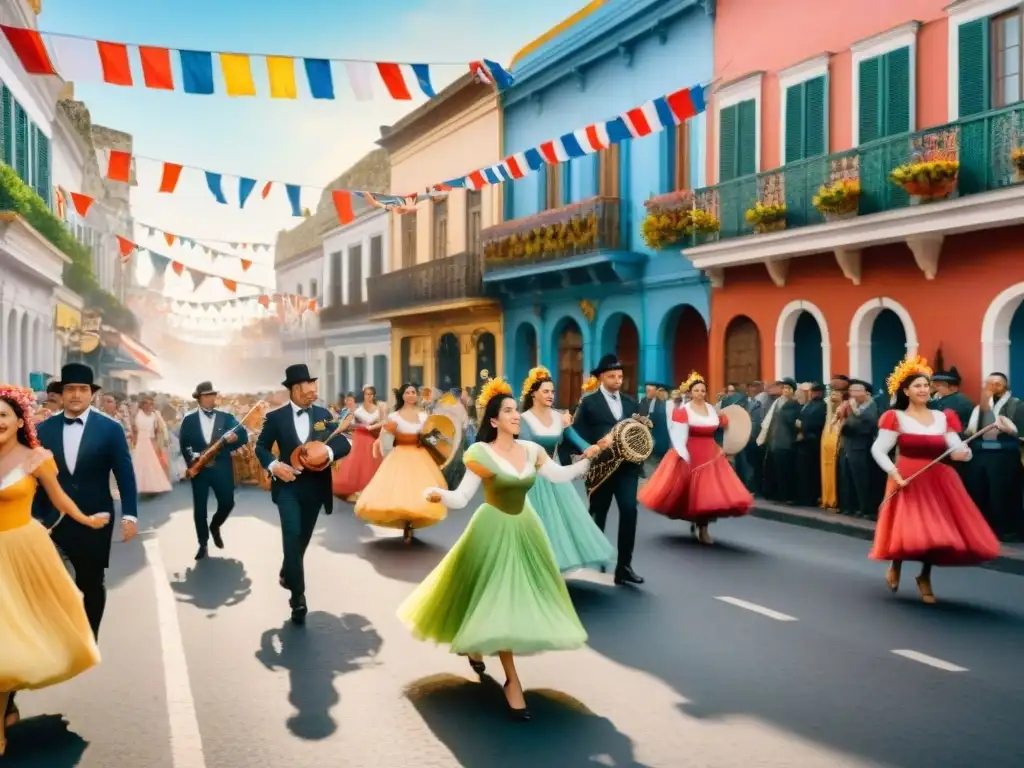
631,442
252,421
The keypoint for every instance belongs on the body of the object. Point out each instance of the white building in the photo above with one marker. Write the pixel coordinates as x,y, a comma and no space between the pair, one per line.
301,275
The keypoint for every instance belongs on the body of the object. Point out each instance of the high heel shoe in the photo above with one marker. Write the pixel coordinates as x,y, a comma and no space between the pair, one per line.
703,536
521,715
892,577
478,665
924,586
407,535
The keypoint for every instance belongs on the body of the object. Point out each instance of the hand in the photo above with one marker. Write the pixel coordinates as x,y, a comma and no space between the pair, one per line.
376,449
1003,424
129,530
566,420
897,478
99,520
604,443
592,451
433,495
230,437
284,472
960,454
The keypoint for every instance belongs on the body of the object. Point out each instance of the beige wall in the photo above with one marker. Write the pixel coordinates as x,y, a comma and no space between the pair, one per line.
462,144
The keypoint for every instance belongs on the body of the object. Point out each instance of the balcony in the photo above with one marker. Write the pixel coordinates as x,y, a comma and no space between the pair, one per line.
455,281
579,244
338,313
988,195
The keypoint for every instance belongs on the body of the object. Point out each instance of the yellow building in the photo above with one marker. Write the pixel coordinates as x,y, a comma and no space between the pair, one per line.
444,329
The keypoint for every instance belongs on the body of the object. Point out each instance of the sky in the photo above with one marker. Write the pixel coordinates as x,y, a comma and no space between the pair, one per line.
297,141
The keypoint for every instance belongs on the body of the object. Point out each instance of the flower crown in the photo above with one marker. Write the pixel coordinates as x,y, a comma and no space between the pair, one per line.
26,401
492,388
540,373
590,385
693,379
448,399
909,366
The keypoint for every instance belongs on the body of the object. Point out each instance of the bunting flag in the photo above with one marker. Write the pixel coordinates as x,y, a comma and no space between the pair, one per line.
243,75
200,242
198,276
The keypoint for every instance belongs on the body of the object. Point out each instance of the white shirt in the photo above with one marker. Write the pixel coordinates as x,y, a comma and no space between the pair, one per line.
207,423
73,441
302,429
614,400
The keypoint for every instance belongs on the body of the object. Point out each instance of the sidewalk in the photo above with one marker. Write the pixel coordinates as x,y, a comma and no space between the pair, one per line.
1010,561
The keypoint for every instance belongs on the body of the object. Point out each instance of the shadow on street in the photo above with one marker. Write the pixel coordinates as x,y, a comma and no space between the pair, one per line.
313,655
213,583
45,741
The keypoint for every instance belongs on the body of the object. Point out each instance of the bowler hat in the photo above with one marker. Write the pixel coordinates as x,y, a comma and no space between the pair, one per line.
296,374
952,376
204,388
606,364
77,373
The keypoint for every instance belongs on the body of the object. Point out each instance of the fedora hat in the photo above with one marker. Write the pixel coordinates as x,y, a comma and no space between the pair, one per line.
606,364
296,374
204,388
77,373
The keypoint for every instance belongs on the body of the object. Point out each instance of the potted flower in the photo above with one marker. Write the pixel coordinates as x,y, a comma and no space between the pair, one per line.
838,200
927,180
767,217
1017,158
704,225
667,221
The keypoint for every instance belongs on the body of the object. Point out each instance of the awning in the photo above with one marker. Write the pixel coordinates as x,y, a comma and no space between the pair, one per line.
130,355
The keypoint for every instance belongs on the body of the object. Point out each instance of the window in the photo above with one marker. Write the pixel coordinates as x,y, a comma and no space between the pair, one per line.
42,166
608,171
7,114
474,218
884,70
440,228
376,256
380,376
677,158
343,370
314,289
355,274
359,363
408,239
737,140
20,141
298,289
552,187
804,123
335,277
1005,36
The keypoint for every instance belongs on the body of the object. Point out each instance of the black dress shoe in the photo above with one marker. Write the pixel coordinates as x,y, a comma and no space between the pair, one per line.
299,610
520,715
202,553
626,575
215,535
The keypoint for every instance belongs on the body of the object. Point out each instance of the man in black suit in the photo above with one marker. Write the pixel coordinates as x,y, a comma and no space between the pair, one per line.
87,446
299,493
598,412
199,430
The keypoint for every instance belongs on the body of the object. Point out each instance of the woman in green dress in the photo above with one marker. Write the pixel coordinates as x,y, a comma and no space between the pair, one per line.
499,590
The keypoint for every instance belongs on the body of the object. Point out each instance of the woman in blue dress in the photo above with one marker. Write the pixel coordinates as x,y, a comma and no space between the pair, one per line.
575,537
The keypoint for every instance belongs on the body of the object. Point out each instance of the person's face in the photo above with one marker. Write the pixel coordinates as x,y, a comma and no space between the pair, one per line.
996,385
350,403
942,388
730,390
775,390
54,402
9,423
650,391
369,395
919,391
839,384
304,393
836,396
207,402
858,393
786,390
508,417
146,406
699,392
77,398
545,394
612,380
109,405
410,396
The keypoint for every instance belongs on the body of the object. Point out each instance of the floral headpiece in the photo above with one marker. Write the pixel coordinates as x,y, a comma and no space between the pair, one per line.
448,399
489,390
25,399
590,385
540,373
693,379
909,366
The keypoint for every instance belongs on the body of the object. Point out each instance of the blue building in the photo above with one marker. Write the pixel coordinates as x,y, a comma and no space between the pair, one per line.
608,292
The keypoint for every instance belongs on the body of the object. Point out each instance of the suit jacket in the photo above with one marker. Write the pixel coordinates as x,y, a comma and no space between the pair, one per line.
594,420
782,430
859,428
957,403
279,428
104,449
193,443
812,420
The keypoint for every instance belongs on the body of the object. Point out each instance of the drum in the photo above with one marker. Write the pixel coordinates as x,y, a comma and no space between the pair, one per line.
737,435
441,436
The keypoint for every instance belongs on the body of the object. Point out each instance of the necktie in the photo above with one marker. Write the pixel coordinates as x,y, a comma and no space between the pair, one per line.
73,421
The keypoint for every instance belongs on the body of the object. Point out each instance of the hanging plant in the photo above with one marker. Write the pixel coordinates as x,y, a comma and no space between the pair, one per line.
927,179
838,199
769,217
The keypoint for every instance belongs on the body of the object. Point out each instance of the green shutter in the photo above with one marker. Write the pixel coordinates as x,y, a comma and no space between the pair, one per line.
8,111
728,120
747,137
43,168
795,123
32,147
20,141
815,117
974,68
897,92
870,118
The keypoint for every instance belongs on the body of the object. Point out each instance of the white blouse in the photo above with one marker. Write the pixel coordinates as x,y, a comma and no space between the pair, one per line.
364,416
679,434
887,438
407,427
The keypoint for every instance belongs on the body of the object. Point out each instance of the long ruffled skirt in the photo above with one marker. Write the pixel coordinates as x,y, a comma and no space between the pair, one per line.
351,475
394,497
150,473
575,538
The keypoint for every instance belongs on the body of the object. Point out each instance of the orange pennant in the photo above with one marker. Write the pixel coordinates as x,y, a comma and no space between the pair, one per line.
231,285
312,305
246,264
169,179
119,165
126,247
264,301
82,203
169,238
178,267
266,189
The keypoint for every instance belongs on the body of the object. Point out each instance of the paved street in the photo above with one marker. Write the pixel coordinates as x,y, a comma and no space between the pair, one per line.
779,647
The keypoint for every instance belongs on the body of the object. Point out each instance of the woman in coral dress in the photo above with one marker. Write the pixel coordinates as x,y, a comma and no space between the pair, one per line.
45,636
499,591
394,496
931,520
148,455
353,473
695,481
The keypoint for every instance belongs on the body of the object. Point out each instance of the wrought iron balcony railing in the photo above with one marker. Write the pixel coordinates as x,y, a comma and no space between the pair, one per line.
433,282
585,227
982,144
336,313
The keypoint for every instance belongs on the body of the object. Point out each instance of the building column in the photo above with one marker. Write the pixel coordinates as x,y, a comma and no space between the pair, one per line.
4,373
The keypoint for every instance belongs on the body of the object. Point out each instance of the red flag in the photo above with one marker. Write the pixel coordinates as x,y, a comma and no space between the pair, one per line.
126,247
246,264
29,48
119,166
178,267
343,205
391,74
231,285
156,67
114,59
82,203
169,180
264,301
169,238
266,189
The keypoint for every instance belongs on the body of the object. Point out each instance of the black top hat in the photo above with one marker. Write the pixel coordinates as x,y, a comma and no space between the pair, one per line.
77,373
607,363
952,376
204,388
817,387
296,374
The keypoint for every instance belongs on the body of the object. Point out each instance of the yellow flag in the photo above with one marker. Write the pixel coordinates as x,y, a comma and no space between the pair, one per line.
281,71
237,74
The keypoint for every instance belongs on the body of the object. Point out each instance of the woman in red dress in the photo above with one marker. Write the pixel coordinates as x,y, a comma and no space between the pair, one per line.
695,481
931,520
353,473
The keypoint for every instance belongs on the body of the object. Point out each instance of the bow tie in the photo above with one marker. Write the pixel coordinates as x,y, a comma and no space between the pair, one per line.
302,411
208,413
613,397
75,420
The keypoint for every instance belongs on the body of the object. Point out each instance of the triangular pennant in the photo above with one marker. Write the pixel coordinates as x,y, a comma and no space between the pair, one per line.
198,278
231,285
178,267
169,238
246,264
82,203
126,247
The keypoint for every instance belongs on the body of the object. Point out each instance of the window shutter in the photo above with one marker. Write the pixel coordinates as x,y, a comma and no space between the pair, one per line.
8,112
974,68
747,132
897,92
727,136
20,141
43,154
815,118
870,118
795,123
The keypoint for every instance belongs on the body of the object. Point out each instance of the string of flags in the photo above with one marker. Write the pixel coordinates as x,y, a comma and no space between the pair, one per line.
200,242
205,73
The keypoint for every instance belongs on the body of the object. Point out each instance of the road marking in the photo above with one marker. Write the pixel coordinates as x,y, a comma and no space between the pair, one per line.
931,661
186,741
754,607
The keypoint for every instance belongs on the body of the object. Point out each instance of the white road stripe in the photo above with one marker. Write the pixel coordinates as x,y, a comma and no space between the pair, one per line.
186,741
754,607
931,661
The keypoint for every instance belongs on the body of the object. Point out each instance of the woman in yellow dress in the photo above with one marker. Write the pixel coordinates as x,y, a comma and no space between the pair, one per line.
45,636
830,453
394,496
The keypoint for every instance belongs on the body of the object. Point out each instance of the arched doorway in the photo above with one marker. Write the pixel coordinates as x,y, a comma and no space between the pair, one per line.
621,335
888,346
1016,366
742,350
807,342
485,355
449,362
525,351
570,364
686,339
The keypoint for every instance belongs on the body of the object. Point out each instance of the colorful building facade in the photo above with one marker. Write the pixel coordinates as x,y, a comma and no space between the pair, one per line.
814,96
444,329
567,307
